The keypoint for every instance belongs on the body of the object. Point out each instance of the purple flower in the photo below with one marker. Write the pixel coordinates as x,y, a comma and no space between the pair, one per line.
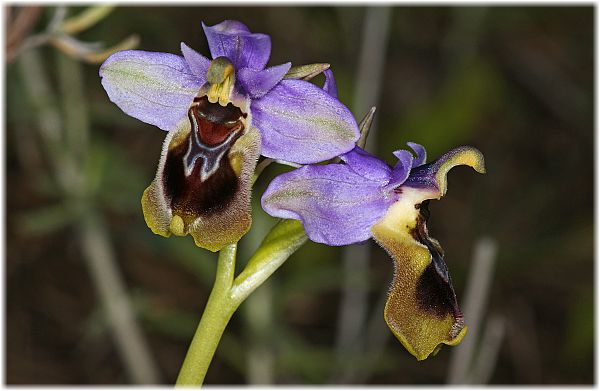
363,197
220,115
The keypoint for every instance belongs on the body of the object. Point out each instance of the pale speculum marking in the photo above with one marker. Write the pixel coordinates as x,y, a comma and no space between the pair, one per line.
214,129
198,177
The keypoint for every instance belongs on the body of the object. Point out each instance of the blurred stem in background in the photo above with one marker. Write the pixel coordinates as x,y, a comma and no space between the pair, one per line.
461,45
65,137
60,33
257,313
353,310
258,317
467,366
18,27
473,360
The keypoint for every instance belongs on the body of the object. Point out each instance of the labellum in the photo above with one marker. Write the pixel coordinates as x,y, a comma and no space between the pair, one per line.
202,186
199,178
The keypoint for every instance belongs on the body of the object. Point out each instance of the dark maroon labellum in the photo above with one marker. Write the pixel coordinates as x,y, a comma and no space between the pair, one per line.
198,176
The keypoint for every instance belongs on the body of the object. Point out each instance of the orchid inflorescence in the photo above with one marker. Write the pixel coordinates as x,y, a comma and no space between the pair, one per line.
221,114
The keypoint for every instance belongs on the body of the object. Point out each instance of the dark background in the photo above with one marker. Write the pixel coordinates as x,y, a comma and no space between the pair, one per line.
516,82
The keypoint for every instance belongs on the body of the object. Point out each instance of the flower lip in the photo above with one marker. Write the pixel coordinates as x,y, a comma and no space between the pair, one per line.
193,195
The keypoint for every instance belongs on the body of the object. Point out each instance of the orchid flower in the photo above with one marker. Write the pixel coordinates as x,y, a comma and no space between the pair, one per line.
362,198
220,115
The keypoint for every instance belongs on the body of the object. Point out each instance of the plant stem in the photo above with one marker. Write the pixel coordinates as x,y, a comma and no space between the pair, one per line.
284,239
226,296
112,292
219,309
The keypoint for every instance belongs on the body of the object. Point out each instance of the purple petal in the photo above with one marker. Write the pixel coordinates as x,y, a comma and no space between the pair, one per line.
401,169
330,85
258,83
421,154
336,206
156,88
197,62
367,165
231,27
301,123
233,40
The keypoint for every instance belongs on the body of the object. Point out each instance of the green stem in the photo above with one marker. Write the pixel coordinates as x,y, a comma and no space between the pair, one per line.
219,309
283,240
226,296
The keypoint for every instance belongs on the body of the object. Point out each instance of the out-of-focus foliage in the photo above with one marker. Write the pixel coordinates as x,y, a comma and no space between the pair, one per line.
516,82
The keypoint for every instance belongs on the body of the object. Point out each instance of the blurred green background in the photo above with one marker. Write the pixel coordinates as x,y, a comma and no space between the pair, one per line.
516,82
